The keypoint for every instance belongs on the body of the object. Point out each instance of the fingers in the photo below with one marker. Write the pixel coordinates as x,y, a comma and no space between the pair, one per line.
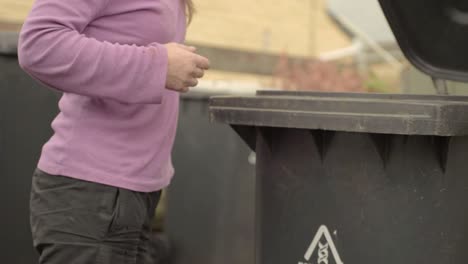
187,85
202,62
191,82
198,73
185,67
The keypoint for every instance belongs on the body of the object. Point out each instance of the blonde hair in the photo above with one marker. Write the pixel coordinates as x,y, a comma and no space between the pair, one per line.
190,10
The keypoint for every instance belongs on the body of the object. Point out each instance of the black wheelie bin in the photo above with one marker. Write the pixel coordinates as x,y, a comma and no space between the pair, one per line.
365,178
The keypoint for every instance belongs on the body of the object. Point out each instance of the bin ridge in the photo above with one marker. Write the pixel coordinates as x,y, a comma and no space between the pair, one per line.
383,145
322,140
441,116
442,145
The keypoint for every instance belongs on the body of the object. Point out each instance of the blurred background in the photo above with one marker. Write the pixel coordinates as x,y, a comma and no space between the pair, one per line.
333,45
314,45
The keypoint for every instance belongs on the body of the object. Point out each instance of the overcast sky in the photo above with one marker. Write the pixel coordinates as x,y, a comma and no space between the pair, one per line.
366,14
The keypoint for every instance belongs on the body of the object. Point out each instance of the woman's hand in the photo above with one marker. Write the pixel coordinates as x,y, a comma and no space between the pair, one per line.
185,67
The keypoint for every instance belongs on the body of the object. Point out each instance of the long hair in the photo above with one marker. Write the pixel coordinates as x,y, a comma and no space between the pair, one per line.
190,10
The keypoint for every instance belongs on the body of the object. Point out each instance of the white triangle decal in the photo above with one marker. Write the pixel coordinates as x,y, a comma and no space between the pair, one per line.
323,248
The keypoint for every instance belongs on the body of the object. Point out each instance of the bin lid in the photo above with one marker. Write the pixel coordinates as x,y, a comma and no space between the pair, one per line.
363,113
433,35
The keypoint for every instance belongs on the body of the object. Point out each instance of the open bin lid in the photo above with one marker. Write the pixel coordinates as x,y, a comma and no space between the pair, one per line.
433,35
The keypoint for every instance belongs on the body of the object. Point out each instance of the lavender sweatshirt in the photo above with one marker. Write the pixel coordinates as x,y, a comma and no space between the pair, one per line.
117,120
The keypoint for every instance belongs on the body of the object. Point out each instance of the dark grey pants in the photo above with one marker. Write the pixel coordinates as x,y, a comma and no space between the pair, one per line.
79,222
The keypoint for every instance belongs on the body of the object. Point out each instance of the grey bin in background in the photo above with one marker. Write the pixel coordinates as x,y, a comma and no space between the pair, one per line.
210,211
26,110
210,215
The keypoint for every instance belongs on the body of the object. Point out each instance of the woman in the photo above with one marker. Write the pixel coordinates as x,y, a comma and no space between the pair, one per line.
121,69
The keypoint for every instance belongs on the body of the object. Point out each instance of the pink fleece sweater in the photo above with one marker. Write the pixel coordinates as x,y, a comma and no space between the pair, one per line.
117,120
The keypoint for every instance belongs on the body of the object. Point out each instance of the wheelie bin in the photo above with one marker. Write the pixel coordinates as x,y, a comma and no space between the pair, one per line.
365,178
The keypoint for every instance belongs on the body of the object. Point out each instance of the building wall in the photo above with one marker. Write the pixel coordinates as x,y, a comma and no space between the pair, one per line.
298,27
14,11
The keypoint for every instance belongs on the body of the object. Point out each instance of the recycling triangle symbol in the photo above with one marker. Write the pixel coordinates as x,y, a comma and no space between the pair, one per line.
323,249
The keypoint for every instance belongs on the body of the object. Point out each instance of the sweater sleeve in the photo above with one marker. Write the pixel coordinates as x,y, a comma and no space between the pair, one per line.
53,50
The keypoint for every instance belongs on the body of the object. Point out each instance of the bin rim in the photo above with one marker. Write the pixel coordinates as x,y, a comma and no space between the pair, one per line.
205,91
346,112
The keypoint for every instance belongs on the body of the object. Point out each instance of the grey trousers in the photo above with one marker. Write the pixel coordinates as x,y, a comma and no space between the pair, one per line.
79,222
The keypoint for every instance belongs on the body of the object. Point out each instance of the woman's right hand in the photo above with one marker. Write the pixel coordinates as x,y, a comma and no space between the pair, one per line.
185,67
